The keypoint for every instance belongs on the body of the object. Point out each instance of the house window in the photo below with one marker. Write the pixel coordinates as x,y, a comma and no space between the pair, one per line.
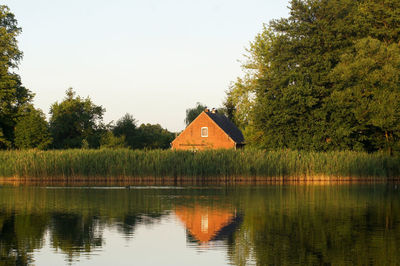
204,132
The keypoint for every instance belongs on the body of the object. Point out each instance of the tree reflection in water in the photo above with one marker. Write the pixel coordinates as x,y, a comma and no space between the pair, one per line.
72,233
20,235
342,224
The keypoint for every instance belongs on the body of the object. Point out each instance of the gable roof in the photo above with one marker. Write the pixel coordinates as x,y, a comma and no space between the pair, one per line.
226,125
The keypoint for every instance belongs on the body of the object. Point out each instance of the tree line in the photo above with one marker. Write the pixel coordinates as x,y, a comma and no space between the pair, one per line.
75,122
324,78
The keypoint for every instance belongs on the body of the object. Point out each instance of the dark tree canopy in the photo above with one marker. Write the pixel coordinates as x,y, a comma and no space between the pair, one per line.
126,127
154,137
127,134
192,113
32,130
318,80
110,141
13,96
76,122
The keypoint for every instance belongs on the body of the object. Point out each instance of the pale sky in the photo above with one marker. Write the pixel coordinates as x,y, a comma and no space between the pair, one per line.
150,58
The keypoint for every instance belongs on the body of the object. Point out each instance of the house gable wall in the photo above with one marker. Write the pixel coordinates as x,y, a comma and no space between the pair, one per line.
191,139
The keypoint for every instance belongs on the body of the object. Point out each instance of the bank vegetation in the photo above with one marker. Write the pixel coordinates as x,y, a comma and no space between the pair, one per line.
247,164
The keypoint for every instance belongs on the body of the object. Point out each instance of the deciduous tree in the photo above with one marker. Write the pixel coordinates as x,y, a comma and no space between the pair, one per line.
154,137
12,94
304,74
126,127
75,121
32,130
109,140
365,105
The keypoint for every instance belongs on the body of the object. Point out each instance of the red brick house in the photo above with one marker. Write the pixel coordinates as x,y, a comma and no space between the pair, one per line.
210,130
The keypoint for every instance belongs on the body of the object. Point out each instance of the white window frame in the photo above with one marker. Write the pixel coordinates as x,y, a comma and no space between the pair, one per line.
205,135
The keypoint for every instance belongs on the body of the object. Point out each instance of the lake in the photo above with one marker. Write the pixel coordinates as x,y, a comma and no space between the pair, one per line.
218,225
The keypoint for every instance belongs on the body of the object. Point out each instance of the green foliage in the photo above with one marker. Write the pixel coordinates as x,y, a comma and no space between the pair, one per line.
192,113
146,136
306,77
365,105
153,137
32,130
126,128
12,94
239,103
74,121
4,143
243,164
109,140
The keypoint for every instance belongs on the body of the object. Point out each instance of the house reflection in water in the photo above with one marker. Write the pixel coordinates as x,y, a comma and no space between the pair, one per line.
205,223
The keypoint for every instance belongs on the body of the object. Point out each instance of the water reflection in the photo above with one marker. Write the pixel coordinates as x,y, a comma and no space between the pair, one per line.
72,233
20,235
207,223
355,224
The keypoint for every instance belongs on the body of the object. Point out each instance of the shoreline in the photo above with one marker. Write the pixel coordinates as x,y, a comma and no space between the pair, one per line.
211,166
125,181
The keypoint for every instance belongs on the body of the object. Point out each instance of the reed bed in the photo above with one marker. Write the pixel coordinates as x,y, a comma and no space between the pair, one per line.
111,164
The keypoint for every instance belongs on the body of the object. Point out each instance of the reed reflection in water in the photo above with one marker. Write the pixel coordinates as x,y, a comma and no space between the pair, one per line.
337,224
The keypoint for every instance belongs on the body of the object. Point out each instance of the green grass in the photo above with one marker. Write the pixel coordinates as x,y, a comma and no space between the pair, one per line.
110,164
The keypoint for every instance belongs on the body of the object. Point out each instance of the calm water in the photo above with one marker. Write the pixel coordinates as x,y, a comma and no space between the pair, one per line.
261,225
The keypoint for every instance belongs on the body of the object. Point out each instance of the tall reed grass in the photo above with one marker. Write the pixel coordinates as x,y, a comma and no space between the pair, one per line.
109,163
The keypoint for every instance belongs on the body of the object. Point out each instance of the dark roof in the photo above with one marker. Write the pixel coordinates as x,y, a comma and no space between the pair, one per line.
226,125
